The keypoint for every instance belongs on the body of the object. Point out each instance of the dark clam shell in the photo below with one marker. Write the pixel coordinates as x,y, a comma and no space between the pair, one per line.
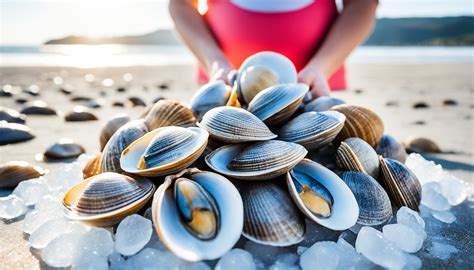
11,116
136,101
80,113
64,149
354,154
388,147
13,172
14,133
37,107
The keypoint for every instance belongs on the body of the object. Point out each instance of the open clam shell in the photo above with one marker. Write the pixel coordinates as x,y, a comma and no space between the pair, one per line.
374,203
389,147
313,130
401,184
111,127
354,154
235,125
344,208
173,231
169,113
164,151
13,172
270,217
360,122
254,79
210,95
256,161
103,200
122,138
276,104
323,103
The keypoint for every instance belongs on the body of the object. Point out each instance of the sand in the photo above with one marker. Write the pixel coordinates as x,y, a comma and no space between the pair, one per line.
372,85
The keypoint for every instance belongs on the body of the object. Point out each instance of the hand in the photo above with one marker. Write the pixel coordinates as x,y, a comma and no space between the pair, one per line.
314,77
220,71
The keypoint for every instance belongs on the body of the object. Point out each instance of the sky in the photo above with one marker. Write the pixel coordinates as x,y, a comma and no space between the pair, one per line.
31,22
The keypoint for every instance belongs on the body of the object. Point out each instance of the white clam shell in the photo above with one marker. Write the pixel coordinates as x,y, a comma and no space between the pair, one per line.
210,95
344,211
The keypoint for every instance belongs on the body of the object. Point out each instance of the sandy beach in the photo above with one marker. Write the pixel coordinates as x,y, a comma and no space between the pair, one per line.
372,85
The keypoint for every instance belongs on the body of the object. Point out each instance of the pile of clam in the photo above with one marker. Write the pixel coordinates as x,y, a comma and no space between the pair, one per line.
235,163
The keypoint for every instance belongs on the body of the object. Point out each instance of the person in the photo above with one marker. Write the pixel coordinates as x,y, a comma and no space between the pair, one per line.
311,33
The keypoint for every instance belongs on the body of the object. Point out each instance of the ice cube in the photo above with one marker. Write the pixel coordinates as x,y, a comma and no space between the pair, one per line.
453,189
236,259
431,197
133,233
61,251
91,262
150,258
410,242
12,207
285,261
444,216
49,203
34,219
117,262
348,236
426,171
97,241
31,191
194,266
321,255
441,251
412,219
373,245
49,230
350,259
412,262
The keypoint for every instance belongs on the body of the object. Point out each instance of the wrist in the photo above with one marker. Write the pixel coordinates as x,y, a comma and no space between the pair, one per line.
319,66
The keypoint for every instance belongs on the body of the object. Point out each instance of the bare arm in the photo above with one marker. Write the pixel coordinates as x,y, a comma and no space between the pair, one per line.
197,36
350,29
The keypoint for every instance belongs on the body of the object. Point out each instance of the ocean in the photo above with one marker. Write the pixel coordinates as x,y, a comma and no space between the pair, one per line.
88,56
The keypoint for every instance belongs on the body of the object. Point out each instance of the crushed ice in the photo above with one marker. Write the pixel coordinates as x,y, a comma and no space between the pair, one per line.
135,245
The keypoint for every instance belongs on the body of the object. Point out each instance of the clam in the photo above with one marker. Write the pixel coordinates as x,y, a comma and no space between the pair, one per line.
164,151
105,199
93,166
198,215
374,203
421,145
256,161
354,154
270,217
111,127
37,107
322,103
11,116
234,125
13,172
278,103
360,122
14,133
401,184
64,149
313,130
388,147
262,70
322,196
80,113
134,102
122,138
211,95
169,113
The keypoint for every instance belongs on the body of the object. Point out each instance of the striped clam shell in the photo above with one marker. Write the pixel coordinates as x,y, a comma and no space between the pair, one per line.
401,184
111,127
374,203
164,151
13,172
210,95
93,166
256,161
104,199
122,138
313,130
323,103
354,154
389,147
234,125
360,122
169,113
270,217
278,103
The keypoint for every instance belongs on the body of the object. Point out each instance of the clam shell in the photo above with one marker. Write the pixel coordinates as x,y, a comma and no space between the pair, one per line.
322,103
169,113
254,79
344,210
103,200
234,125
111,127
37,107
93,166
421,145
374,203
80,113
134,102
14,133
354,154
174,234
278,103
270,217
360,122
388,147
13,172
257,161
64,149
122,138
211,95
11,116
401,184
165,150
313,130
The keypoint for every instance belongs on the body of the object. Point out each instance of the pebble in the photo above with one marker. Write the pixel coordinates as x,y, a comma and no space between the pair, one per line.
411,242
37,107
135,101
420,105
14,133
133,233
444,216
80,113
12,207
31,191
236,259
64,149
450,102
11,116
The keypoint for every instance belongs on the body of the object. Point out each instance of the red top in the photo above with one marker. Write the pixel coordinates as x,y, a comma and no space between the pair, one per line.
295,34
